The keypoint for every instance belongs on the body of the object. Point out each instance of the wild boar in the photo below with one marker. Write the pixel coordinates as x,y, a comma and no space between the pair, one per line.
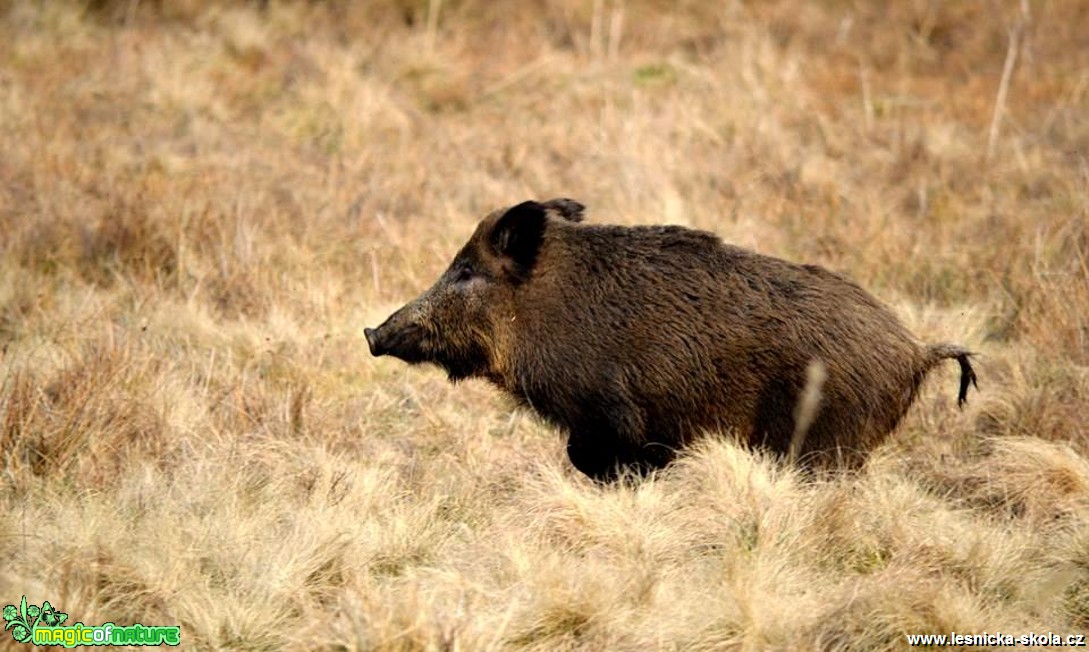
637,340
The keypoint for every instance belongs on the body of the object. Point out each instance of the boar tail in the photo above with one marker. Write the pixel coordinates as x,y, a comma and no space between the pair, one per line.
935,353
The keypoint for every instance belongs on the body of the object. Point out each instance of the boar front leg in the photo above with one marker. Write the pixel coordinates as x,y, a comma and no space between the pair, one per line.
612,441
604,458
595,454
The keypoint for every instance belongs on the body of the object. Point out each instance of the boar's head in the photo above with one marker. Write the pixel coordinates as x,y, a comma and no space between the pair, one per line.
460,322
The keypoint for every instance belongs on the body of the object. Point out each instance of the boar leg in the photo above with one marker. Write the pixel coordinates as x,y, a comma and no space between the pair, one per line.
604,458
612,439
602,437
595,455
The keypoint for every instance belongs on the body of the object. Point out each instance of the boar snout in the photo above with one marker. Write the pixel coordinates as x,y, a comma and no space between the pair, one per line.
401,336
373,342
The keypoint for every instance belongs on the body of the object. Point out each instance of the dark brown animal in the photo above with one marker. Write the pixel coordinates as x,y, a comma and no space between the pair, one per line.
635,340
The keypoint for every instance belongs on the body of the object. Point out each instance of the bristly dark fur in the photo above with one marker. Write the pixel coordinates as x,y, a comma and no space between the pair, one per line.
636,340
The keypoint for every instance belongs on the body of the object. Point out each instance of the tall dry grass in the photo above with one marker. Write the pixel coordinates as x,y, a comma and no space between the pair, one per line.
202,204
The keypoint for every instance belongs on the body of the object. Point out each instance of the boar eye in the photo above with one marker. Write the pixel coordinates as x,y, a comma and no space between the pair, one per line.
465,273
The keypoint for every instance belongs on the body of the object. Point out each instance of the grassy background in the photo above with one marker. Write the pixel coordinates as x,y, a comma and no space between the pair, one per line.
202,204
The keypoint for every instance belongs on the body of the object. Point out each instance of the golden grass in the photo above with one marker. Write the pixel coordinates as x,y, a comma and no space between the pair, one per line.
202,204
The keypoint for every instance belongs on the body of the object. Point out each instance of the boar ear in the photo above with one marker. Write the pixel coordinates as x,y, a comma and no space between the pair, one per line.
568,209
517,236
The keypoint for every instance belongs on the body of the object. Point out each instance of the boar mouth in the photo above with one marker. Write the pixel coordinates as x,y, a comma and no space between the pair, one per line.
405,343
413,345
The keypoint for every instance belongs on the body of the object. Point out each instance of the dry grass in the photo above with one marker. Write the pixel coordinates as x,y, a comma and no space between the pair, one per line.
202,204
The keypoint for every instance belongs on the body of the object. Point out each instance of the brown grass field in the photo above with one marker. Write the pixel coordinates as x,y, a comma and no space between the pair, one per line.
202,204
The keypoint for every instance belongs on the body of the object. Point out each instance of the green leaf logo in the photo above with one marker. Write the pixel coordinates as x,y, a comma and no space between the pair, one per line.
23,620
